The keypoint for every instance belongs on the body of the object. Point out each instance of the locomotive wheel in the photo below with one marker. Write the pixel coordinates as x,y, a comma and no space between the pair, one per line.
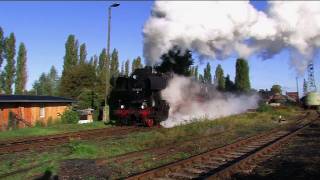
149,122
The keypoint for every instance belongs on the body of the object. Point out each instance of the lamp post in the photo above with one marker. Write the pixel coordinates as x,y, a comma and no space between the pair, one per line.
108,58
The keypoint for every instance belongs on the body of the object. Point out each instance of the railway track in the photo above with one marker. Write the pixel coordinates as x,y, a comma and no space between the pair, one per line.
222,163
40,143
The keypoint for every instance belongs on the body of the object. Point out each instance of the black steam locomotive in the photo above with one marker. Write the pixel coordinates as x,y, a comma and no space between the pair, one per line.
137,100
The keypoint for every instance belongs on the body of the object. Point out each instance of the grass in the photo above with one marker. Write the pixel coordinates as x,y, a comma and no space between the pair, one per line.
49,130
227,129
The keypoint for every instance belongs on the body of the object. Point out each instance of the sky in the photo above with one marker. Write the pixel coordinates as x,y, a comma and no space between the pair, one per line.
45,26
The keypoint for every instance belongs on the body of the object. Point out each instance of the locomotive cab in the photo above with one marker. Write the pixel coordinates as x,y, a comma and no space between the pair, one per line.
137,99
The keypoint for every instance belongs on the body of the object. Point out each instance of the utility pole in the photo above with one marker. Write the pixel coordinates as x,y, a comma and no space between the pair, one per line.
108,60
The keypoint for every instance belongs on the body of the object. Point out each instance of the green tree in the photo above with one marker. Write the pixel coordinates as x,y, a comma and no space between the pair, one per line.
126,68
54,81
201,78
176,61
70,60
219,78
80,77
305,87
114,64
207,74
1,46
83,53
136,64
276,89
122,68
10,52
242,81
21,76
229,84
196,73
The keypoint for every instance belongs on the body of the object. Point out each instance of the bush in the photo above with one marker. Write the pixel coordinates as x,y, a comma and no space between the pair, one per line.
70,117
264,108
40,123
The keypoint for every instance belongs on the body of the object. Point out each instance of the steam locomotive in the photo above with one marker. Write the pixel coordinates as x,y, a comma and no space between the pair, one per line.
136,100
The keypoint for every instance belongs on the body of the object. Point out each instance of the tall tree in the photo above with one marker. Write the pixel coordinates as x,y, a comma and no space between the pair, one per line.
83,53
176,61
114,64
10,52
242,81
70,61
219,78
276,89
196,73
229,84
126,68
207,74
136,64
1,46
21,75
122,69
305,87
54,81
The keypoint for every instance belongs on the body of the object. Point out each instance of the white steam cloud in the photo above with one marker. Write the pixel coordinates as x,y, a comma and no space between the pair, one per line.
218,30
182,94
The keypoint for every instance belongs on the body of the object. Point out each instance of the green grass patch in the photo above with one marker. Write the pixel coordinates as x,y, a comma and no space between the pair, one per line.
49,130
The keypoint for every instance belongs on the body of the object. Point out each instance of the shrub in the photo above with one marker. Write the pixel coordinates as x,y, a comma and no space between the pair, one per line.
70,117
264,108
40,123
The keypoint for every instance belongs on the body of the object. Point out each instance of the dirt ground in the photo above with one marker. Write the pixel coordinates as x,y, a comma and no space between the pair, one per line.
299,160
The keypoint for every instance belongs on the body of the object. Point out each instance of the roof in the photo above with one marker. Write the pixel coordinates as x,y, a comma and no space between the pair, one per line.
38,99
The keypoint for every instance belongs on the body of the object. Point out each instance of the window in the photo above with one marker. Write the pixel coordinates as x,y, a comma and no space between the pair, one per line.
42,111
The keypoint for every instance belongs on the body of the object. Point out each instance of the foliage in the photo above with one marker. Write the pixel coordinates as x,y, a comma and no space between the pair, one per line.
176,61
207,74
1,46
40,123
88,98
21,76
80,77
10,51
83,53
242,81
219,78
136,64
276,89
114,63
79,148
126,68
229,85
305,87
264,108
69,117
70,60
47,84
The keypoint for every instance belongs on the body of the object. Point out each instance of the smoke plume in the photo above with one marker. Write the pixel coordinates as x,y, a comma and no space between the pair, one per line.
218,30
187,102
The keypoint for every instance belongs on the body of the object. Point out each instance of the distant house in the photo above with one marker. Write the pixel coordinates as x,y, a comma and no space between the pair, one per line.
294,96
24,110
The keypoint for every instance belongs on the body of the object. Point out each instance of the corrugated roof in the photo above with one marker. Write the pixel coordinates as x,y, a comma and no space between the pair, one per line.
27,98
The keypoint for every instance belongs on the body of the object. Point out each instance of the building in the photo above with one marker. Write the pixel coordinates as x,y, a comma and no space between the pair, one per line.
23,110
293,95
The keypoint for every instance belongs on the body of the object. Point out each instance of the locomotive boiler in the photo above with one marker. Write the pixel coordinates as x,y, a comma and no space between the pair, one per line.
136,100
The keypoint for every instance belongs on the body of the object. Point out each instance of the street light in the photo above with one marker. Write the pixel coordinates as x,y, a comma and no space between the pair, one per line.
108,59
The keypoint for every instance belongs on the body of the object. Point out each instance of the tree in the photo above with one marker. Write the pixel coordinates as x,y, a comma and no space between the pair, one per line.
70,60
201,78
122,68
196,73
10,52
114,64
207,74
126,68
229,84
305,87
276,89
21,77
82,76
54,81
83,53
176,61
242,81
1,46
219,78
136,64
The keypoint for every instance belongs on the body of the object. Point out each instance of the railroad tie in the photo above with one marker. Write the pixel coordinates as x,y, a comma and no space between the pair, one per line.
194,170
182,175
206,166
